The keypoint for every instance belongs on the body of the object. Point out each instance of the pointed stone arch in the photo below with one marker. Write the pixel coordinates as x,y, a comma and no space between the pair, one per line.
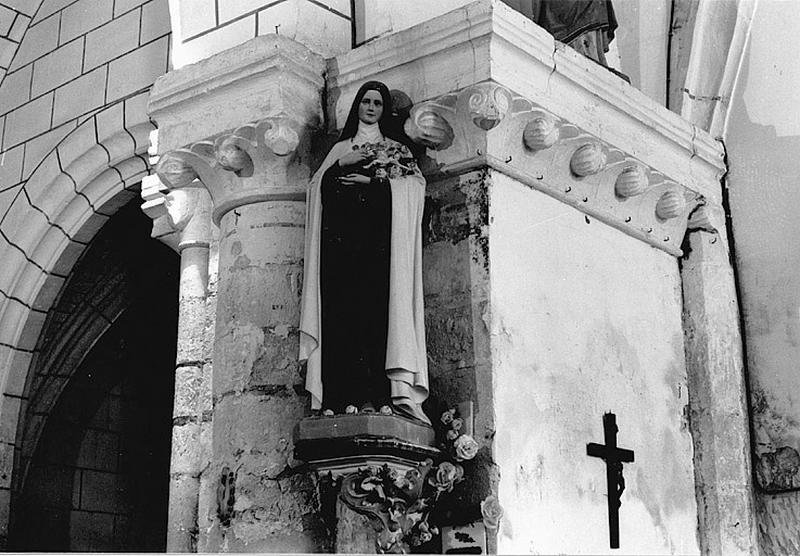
50,220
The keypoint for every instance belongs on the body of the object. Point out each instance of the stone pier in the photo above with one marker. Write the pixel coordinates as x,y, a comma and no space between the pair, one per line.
241,123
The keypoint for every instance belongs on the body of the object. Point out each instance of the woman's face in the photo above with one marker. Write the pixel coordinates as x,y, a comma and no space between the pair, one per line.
370,109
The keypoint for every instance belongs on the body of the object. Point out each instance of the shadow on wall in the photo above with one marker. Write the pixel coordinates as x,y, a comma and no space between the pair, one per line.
98,471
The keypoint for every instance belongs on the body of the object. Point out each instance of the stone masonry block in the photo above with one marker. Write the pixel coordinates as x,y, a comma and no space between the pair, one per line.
277,362
90,227
138,69
196,16
40,185
10,167
34,322
15,90
28,121
122,6
39,39
13,261
23,6
191,330
29,279
36,149
155,20
23,225
119,145
19,28
115,199
53,199
76,143
217,41
281,307
80,96
330,34
256,429
83,15
49,7
182,500
9,411
7,16
109,121
341,6
234,8
67,258
104,191
113,39
7,50
58,67
185,445
187,390
44,169
52,284
136,111
16,364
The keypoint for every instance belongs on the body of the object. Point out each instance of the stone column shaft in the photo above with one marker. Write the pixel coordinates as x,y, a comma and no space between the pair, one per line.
182,220
717,392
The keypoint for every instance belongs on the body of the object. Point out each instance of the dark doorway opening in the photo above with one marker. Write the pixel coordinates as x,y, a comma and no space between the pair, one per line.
93,471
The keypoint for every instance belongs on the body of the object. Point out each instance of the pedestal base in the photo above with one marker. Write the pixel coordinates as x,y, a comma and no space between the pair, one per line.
342,444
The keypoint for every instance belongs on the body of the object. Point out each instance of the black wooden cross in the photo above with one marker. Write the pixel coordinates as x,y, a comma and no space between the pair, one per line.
614,458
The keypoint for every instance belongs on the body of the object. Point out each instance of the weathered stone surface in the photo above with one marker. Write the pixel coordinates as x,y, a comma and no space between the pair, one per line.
717,404
182,519
185,457
188,381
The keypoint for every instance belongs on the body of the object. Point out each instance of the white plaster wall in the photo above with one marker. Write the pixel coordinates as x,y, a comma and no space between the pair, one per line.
642,41
585,320
763,141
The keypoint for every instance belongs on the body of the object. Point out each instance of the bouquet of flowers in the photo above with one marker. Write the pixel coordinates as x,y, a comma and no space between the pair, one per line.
387,160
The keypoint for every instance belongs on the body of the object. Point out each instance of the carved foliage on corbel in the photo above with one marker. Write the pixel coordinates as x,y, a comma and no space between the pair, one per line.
399,504
253,160
491,125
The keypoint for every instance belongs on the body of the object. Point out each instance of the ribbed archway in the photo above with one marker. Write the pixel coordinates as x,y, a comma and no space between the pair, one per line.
93,442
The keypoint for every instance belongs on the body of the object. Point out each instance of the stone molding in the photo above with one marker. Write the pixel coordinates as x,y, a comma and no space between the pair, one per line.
240,122
254,163
489,125
262,77
487,41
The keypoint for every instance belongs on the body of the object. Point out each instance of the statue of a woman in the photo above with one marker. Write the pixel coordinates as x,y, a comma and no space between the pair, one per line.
362,291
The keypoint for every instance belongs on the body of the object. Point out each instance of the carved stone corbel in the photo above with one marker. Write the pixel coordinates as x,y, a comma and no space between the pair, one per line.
255,162
489,125
181,217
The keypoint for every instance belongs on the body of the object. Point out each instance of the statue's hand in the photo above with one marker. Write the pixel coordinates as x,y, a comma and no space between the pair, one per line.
354,179
353,158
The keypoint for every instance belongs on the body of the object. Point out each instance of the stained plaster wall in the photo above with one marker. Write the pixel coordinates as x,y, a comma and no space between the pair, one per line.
585,320
763,141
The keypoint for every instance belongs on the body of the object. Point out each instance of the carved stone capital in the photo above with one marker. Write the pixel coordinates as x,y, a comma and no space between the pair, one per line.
255,162
181,217
489,125
241,121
